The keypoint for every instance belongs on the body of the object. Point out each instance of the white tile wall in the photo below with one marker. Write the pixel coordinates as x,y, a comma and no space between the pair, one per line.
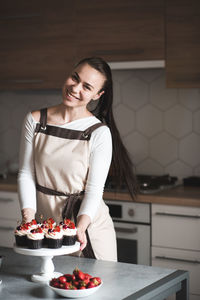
160,127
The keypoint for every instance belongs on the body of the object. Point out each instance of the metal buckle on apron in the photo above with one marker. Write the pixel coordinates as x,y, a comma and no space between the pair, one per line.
85,135
43,128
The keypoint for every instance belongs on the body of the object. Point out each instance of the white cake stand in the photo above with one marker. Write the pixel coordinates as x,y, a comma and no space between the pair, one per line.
46,254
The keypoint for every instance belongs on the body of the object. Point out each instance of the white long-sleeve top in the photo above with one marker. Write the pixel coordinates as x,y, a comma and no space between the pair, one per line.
100,145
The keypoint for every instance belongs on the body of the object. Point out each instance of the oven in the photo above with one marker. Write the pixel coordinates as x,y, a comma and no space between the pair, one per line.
132,222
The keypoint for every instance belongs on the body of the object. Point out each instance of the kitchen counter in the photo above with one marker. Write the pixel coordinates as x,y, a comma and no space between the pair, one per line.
180,195
120,280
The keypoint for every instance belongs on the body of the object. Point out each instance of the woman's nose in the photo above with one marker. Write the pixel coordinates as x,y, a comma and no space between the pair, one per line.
76,87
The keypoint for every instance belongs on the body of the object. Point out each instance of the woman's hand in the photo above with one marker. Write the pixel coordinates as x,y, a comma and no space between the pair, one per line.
81,236
83,222
28,214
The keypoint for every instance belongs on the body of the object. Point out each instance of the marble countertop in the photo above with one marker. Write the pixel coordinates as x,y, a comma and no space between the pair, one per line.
120,280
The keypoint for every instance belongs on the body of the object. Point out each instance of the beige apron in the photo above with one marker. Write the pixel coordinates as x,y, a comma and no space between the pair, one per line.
61,160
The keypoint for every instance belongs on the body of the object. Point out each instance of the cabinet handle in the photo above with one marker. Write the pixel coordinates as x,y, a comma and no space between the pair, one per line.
6,200
6,228
25,81
20,16
178,259
177,215
126,230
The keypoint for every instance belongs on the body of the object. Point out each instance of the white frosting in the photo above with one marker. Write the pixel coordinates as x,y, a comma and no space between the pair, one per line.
54,235
69,231
35,236
22,232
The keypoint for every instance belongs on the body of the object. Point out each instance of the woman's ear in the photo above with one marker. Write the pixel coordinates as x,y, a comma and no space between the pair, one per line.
98,95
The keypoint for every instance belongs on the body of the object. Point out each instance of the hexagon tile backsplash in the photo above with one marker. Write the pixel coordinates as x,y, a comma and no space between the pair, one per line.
160,127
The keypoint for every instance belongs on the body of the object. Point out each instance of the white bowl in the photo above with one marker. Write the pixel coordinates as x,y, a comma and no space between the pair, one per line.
75,293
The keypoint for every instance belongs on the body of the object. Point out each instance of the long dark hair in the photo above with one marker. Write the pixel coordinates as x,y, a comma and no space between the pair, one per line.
121,167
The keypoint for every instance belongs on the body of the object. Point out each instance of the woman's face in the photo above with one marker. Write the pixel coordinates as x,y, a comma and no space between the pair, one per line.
82,86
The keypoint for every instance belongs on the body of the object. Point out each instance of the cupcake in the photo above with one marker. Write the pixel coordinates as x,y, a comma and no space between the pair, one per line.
49,222
35,238
45,226
54,237
69,232
21,234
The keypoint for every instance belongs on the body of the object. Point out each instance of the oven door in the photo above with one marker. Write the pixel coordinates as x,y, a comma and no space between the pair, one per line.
133,243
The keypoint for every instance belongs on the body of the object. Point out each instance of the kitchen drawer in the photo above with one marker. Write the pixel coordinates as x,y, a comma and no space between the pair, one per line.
176,227
182,260
9,206
7,228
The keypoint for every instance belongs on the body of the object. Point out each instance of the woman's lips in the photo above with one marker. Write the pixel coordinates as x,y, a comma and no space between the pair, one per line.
71,96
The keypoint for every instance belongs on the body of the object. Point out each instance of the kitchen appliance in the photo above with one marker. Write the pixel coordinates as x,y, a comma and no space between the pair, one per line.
133,230
148,184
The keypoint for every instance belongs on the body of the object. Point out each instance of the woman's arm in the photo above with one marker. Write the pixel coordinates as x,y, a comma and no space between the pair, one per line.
26,175
99,164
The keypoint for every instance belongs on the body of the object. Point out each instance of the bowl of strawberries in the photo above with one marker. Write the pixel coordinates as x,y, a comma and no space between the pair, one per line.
75,285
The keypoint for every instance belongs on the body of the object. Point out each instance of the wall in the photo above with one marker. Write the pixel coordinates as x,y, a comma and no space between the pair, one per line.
159,126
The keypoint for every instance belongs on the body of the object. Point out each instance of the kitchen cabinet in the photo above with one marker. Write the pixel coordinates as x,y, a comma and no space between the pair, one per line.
121,30
9,216
183,43
36,43
176,242
41,41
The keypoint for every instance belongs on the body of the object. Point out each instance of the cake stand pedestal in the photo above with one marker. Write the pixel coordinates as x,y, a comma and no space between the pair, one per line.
46,254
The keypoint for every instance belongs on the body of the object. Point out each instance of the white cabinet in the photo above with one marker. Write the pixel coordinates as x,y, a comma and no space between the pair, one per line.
9,216
176,241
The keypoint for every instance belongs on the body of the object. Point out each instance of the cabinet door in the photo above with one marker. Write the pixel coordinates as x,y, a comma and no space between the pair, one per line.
121,30
7,228
176,227
181,260
9,206
183,43
20,25
37,44
57,42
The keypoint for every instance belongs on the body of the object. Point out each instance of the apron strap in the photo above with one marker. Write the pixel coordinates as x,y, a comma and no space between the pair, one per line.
89,130
43,118
71,209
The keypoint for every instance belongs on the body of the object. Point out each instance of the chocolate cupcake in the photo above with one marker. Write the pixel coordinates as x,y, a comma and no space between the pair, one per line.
21,234
35,238
54,238
69,232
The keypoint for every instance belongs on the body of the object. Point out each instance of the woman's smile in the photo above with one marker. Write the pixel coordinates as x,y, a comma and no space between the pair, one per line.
70,96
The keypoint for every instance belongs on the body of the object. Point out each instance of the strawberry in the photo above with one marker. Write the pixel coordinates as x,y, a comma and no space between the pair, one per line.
79,274
67,286
62,279
88,275
33,222
66,221
68,277
90,285
96,280
72,225
57,229
82,288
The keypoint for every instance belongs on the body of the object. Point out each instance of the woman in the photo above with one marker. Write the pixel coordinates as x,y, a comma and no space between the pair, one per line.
65,156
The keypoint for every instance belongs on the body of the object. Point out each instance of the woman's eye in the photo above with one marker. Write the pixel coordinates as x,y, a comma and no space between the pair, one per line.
74,78
87,87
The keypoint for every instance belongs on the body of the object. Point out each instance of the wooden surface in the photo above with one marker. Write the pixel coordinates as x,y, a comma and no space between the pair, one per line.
183,43
121,30
180,195
41,41
183,196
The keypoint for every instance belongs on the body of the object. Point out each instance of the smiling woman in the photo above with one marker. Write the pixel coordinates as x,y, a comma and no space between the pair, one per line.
65,156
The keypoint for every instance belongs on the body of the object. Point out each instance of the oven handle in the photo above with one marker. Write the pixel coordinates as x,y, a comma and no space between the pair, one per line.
177,215
126,230
178,259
